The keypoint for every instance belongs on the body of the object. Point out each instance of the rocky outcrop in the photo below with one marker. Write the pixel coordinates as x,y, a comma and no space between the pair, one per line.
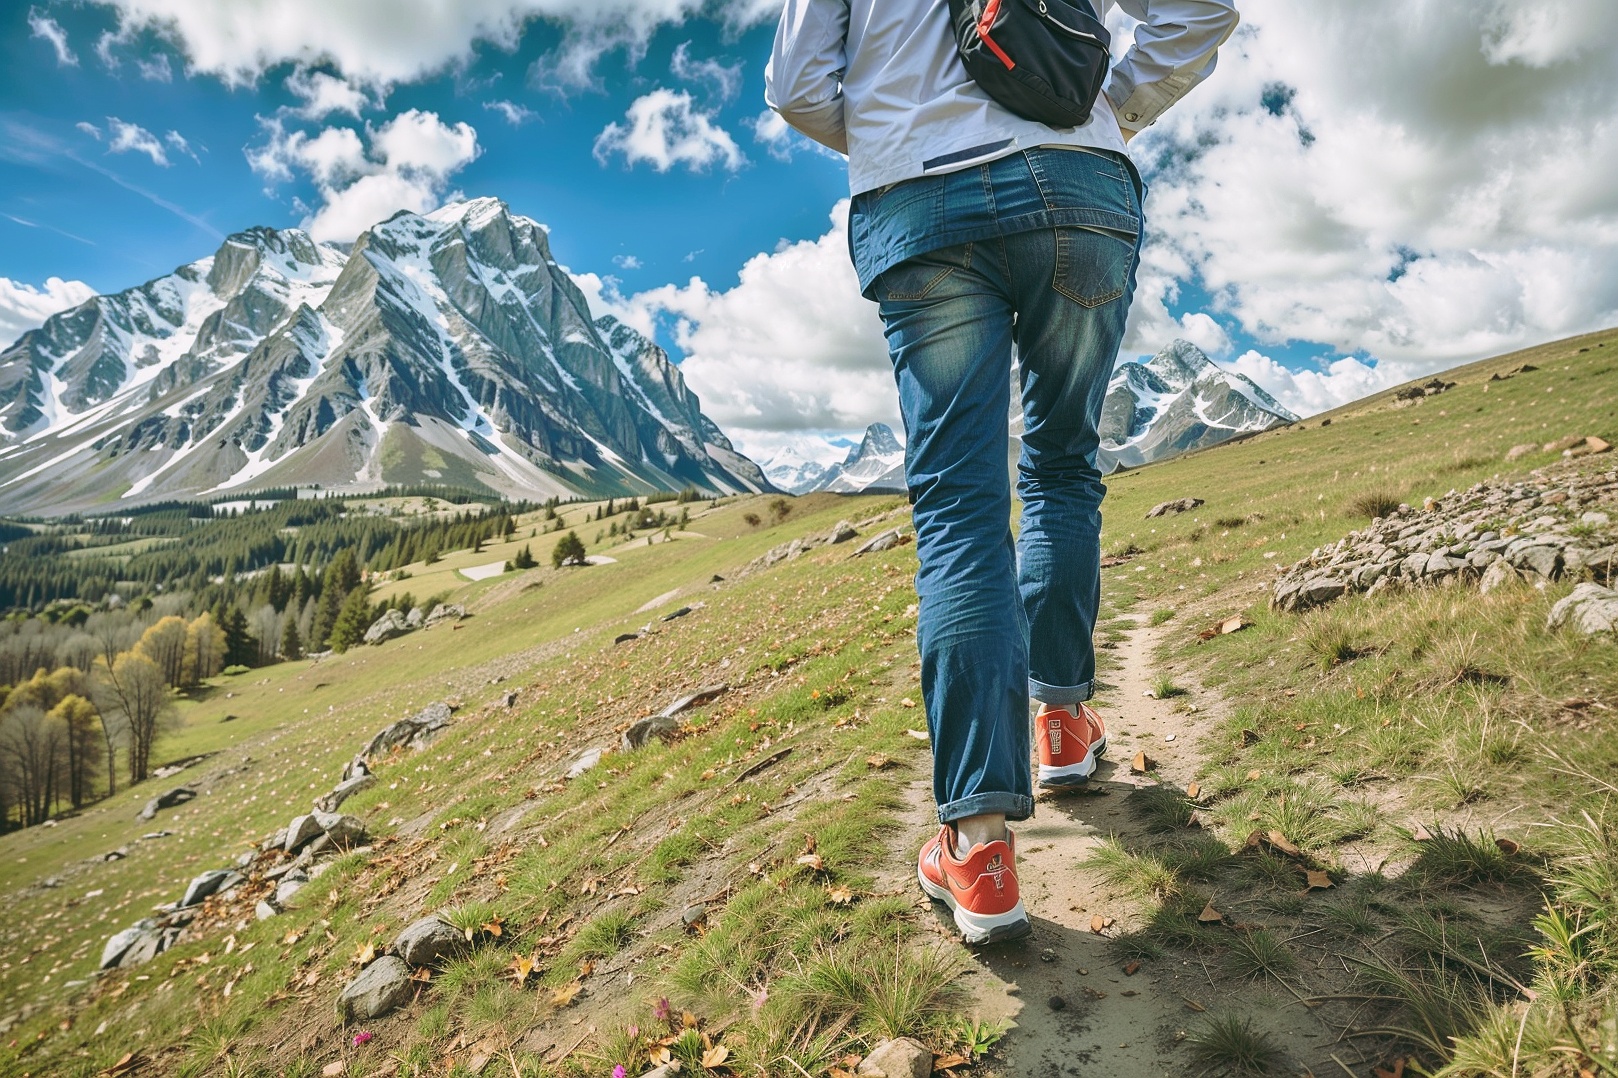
1590,609
1555,524
416,731
168,799
667,721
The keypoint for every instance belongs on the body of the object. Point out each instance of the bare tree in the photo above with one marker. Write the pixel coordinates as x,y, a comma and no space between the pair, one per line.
78,651
266,625
134,688
81,730
31,746
114,631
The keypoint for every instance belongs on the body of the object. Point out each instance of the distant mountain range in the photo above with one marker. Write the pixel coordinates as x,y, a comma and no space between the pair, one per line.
875,465
1176,401
443,348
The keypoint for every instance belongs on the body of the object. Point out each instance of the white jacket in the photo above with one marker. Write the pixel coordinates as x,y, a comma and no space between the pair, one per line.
880,80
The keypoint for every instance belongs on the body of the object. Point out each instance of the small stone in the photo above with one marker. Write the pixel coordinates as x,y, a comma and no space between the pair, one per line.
264,910
886,541
287,890
429,941
692,916
1590,609
1178,505
901,1058
206,884
343,791
343,830
842,532
1056,1003
380,987
584,761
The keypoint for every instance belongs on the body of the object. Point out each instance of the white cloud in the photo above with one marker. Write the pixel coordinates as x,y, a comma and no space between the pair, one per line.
1202,330
43,26
22,306
323,94
516,115
665,129
793,346
1444,196
156,69
178,142
626,262
406,165
132,138
725,80
89,129
780,141
384,42
1306,392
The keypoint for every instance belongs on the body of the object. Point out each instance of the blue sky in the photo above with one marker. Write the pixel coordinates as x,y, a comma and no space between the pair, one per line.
1324,219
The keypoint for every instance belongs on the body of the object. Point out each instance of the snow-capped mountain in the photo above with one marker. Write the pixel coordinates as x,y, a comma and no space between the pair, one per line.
793,471
876,464
442,348
1176,401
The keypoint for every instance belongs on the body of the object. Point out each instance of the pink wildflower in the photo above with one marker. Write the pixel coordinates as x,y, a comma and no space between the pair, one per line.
662,1009
619,1072
362,1037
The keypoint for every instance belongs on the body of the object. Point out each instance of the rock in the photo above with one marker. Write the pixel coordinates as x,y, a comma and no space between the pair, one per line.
357,766
148,946
205,885
624,638
664,722
902,1058
671,615
841,532
584,761
177,796
1590,609
415,618
508,699
429,941
886,541
1543,560
287,890
1595,519
343,791
415,731
121,942
343,830
1178,505
444,612
265,910
301,830
1517,452
380,987
1565,442
392,623
115,855
1498,574
246,859
695,915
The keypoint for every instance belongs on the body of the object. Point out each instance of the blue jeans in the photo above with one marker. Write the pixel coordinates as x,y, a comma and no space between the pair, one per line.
1002,621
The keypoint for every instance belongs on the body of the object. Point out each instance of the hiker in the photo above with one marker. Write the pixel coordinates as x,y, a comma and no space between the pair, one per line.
984,234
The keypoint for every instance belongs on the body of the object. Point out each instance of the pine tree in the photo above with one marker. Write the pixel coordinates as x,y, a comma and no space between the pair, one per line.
524,559
352,620
240,647
326,611
291,645
569,551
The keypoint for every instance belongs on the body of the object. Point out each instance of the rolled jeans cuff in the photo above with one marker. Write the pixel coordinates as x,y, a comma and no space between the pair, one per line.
1014,806
1060,695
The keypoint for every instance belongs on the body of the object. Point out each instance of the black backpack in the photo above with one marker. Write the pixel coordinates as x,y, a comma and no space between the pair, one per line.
1044,60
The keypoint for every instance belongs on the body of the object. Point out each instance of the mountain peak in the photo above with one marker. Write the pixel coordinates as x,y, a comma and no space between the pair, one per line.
879,441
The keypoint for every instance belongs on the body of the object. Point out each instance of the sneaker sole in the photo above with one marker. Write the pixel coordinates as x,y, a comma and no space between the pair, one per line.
979,927
1058,778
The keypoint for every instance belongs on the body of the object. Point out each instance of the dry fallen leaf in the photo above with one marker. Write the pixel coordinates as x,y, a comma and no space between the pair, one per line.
495,928
1507,846
813,860
1281,844
949,1062
126,1063
1209,915
521,968
715,1056
1318,880
1233,625
365,954
566,994
688,1020
1192,1004
1254,775
1132,967
878,761
1397,1071
841,895
334,1068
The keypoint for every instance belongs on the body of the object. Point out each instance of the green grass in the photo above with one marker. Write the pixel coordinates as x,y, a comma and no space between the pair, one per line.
1231,1044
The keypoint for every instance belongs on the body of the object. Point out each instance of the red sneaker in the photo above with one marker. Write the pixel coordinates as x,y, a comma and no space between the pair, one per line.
981,888
1071,740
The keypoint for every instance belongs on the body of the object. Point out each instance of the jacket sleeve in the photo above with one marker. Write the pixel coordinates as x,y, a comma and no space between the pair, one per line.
1175,48
804,79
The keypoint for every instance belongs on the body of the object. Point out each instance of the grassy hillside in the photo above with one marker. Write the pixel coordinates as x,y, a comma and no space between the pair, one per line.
782,819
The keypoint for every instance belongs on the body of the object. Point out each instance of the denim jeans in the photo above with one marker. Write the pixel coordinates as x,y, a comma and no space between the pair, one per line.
1003,621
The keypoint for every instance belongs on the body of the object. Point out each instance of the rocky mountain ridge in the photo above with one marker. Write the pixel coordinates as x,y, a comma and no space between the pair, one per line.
448,347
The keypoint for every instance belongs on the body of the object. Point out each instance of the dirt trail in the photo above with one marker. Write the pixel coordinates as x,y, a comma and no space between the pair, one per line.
1075,1009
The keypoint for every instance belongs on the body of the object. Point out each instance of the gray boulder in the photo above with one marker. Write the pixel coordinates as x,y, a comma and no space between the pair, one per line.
1178,505
429,941
886,541
301,830
168,799
209,883
391,624
584,761
1590,609
446,612
120,943
1498,574
343,791
380,987
415,731
287,890
842,532
666,721
265,910
415,618
901,1058
344,831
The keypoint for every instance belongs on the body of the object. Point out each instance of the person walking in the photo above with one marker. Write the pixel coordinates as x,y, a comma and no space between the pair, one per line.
984,237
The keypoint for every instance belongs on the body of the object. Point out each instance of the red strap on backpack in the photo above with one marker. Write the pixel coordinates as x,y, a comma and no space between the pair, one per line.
990,10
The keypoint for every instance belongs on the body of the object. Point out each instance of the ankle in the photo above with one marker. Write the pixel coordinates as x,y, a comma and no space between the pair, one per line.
973,831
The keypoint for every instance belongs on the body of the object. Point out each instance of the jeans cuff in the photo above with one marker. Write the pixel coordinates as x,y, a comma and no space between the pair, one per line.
1015,806
1060,695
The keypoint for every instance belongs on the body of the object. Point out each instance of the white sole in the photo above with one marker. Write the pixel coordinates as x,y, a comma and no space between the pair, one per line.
1073,774
979,927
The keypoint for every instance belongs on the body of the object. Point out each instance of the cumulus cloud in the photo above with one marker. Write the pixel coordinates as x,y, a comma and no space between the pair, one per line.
1308,391
132,138
384,42
665,128
22,306
323,94
626,262
89,129
43,26
723,80
156,69
514,114
405,164
791,347
1443,196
